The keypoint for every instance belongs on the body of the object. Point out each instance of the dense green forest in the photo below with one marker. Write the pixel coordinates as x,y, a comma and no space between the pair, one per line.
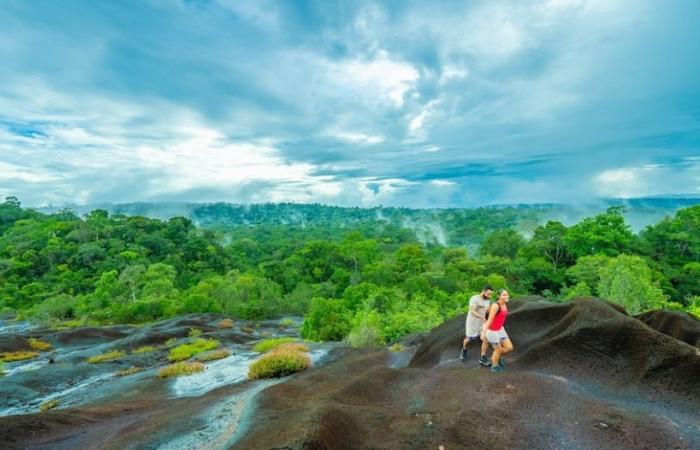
369,283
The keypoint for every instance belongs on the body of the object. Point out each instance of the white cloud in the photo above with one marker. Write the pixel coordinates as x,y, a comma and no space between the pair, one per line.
377,79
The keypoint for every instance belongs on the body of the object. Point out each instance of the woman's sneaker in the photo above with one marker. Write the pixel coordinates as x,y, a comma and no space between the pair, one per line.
502,363
485,361
497,368
463,355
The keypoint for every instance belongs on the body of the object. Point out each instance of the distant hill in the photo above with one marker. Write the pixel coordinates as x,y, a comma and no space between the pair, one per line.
453,226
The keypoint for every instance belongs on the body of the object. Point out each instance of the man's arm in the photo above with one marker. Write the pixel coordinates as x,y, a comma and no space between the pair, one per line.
472,310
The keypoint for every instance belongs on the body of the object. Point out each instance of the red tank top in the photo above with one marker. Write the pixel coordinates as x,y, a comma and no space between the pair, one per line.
500,318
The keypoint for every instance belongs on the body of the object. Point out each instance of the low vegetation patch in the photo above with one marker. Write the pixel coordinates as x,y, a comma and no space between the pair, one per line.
279,363
109,356
144,349
170,342
49,404
2,368
186,351
180,368
268,344
287,322
39,345
129,371
195,332
17,356
225,323
398,347
213,355
291,346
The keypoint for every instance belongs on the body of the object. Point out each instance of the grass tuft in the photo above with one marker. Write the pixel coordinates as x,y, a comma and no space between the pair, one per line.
18,356
397,347
49,404
268,344
213,355
225,323
195,332
180,368
186,351
278,363
287,322
144,349
105,357
39,345
129,371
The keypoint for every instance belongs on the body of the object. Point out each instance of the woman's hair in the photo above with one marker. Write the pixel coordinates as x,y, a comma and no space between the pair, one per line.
499,292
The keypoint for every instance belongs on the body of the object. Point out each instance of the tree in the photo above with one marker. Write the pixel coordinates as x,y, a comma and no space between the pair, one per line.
548,241
606,233
503,243
627,280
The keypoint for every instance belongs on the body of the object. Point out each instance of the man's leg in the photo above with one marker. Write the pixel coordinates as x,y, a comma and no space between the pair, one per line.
484,347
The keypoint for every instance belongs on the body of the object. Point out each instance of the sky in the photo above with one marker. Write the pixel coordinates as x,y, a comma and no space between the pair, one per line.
400,103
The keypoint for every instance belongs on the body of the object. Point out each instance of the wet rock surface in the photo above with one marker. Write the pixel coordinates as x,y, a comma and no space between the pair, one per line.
680,325
584,375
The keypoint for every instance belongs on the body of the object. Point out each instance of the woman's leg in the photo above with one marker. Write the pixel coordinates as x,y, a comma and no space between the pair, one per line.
497,349
506,346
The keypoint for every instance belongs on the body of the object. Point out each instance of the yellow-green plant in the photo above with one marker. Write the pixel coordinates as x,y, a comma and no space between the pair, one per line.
17,356
39,345
213,355
195,332
129,371
144,349
225,323
186,351
49,404
180,368
268,344
105,357
278,363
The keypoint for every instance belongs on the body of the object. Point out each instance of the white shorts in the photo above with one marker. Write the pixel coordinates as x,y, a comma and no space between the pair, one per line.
474,327
495,337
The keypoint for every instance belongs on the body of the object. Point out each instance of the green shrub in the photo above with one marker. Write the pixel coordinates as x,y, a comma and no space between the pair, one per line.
268,344
180,368
2,367
213,355
186,351
170,342
366,331
144,349
278,364
105,357
17,356
327,320
37,344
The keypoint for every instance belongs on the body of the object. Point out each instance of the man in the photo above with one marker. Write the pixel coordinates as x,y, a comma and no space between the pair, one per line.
476,318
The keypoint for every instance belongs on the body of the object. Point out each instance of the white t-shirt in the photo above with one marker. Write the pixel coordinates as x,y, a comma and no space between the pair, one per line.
474,324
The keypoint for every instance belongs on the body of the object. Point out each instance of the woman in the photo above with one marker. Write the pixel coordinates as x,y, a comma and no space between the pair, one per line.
496,332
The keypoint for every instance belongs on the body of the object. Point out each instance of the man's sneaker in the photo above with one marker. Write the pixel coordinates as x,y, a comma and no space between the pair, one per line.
485,361
497,368
502,363
463,355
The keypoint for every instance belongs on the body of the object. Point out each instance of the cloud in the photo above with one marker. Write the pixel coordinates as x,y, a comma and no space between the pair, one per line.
361,103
